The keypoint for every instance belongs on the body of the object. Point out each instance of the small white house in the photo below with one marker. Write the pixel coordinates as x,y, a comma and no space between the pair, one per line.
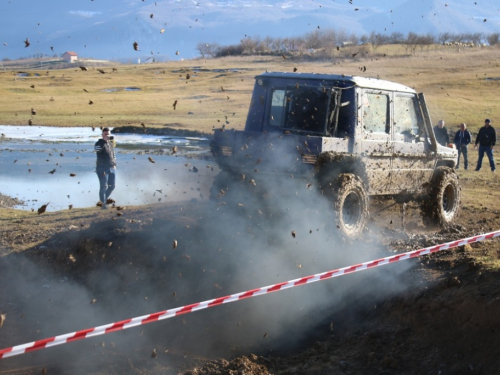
70,56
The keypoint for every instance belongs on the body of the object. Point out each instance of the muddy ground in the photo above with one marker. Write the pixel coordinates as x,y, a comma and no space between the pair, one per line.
434,315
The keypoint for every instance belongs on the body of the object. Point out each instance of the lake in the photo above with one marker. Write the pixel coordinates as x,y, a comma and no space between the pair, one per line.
28,155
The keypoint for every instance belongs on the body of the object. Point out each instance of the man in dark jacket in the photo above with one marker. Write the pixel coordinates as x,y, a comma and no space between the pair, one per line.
486,138
105,166
441,133
461,140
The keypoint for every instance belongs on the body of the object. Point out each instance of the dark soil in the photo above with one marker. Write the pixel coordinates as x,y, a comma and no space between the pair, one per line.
444,321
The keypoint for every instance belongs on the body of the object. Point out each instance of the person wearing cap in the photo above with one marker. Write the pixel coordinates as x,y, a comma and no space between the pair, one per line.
462,140
105,166
441,133
486,138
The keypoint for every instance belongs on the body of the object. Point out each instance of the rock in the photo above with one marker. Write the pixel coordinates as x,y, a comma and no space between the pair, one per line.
454,281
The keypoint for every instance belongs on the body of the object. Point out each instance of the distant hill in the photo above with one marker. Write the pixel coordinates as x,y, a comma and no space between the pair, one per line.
107,29
438,16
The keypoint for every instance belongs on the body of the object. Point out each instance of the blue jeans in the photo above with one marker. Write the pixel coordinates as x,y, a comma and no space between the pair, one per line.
489,152
463,151
106,181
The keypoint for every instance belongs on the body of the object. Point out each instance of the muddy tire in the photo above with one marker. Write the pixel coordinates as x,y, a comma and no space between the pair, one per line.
441,206
350,203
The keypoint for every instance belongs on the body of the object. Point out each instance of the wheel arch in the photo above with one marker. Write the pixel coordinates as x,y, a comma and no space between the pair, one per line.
444,163
330,165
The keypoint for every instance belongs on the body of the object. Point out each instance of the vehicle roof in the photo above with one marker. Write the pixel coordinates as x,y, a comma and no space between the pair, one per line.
371,83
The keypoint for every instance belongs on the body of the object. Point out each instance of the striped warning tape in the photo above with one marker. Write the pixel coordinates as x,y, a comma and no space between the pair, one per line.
166,314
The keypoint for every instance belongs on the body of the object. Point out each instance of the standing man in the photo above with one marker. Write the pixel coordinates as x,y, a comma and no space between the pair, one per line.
441,134
486,138
462,139
105,166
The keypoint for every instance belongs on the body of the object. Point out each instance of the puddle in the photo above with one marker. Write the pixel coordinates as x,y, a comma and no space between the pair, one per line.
198,69
25,74
116,89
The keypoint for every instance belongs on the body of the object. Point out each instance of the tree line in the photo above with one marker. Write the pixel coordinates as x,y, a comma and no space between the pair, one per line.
330,39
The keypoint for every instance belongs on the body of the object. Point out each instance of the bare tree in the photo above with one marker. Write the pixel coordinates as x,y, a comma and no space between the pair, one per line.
476,38
313,40
267,44
249,45
206,49
493,39
425,41
202,49
344,36
233,50
377,39
411,42
330,38
396,38
444,38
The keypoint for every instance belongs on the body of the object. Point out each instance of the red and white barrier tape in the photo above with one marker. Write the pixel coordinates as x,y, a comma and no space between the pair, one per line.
166,314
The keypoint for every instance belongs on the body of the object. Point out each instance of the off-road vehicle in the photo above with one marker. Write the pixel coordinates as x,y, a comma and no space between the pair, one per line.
359,137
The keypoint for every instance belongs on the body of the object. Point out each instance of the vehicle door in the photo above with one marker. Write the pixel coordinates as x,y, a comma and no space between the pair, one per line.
373,134
412,163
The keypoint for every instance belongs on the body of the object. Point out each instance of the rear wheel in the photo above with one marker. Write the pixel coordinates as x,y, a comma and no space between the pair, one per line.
350,204
442,204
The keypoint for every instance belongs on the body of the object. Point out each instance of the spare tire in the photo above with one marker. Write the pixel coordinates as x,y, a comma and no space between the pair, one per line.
441,205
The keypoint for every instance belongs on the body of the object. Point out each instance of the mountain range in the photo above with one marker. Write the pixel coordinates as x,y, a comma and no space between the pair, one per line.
107,29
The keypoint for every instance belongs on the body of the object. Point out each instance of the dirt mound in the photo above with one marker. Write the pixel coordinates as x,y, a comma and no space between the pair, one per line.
242,365
438,314
448,327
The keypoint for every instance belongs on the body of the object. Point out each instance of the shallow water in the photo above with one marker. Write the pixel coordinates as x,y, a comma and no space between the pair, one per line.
25,166
28,135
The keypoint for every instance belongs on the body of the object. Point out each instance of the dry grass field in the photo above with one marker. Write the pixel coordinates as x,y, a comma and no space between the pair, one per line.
461,85
453,295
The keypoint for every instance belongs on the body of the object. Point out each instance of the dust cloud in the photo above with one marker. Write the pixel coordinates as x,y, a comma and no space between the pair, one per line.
273,229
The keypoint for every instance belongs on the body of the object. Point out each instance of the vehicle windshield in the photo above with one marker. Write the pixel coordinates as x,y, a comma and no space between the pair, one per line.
299,108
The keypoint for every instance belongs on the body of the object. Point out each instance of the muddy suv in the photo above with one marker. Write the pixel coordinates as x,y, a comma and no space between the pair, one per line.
358,137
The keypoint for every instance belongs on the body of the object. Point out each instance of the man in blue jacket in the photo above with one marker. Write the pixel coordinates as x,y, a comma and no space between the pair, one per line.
462,140
486,138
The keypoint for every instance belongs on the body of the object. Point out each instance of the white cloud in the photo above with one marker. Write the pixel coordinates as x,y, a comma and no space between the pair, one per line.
83,13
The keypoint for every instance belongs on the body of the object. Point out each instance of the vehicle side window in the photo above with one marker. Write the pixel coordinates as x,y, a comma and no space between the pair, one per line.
406,118
376,113
277,108
299,108
347,114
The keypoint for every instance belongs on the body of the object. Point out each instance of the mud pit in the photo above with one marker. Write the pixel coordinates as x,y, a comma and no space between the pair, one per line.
433,315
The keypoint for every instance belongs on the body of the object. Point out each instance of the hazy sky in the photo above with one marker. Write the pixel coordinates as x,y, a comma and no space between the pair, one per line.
107,28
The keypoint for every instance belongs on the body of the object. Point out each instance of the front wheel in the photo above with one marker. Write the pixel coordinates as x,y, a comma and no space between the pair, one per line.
350,204
442,204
